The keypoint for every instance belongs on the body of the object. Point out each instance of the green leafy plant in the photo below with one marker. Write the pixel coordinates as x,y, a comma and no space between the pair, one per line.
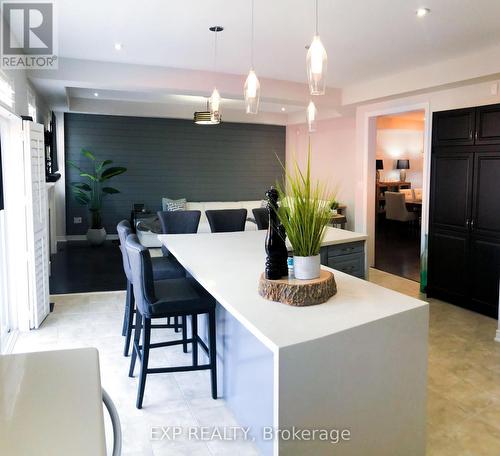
304,209
92,192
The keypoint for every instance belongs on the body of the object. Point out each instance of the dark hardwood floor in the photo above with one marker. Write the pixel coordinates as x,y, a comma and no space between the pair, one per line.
397,249
80,268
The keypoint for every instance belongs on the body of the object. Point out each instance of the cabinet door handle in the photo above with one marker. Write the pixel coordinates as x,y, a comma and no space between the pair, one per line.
470,133
467,224
472,224
475,136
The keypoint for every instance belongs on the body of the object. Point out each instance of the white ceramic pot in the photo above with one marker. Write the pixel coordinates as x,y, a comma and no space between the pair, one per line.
96,236
335,211
306,268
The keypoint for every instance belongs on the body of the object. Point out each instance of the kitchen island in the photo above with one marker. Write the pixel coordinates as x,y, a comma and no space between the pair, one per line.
357,363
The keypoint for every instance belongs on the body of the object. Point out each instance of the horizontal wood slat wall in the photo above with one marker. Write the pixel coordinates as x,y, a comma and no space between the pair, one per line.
172,158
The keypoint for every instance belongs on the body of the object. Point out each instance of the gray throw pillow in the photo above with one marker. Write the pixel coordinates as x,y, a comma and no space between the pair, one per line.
173,205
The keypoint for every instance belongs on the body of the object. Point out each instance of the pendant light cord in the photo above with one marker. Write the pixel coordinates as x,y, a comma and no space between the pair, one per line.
317,18
252,39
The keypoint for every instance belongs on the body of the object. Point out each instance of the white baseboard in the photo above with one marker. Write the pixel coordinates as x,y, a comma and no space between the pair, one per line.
497,336
82,237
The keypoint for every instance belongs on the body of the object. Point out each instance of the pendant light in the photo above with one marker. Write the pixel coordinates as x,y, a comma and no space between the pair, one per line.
204,117
215,99
251,90
311,117
316,62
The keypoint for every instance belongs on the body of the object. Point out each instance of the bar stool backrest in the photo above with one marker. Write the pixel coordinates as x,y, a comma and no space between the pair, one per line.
123,228
226,220
142,274
261,216
179,222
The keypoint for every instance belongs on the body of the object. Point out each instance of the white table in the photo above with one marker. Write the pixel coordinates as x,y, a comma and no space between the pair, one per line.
358,361
51,404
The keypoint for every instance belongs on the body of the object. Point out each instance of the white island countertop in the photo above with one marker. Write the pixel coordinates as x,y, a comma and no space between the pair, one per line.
229,265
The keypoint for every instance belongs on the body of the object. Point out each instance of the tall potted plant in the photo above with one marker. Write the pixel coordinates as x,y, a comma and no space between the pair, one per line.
92,192
304,211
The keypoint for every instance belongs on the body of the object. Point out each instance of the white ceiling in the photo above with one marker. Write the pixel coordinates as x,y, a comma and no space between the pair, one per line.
364,38
164,41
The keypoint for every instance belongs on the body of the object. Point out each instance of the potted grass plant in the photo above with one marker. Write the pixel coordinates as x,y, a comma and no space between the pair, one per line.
304,212
92,192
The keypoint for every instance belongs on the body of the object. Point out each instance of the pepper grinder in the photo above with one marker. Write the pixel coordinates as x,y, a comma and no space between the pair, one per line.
277,254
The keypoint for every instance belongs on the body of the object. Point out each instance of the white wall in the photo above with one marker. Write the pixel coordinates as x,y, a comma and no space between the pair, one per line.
394,144
333,147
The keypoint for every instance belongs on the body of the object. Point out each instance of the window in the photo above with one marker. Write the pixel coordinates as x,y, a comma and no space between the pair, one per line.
31,104
6,91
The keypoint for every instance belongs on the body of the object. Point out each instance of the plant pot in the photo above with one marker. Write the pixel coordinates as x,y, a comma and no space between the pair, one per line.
96,236
335,211
306,268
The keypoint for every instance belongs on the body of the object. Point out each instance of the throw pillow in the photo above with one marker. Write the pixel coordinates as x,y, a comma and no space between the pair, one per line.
173,205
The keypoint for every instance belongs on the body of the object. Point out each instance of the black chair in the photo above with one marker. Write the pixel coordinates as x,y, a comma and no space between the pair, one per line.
261,216
163,299
163,268
226,220
178,222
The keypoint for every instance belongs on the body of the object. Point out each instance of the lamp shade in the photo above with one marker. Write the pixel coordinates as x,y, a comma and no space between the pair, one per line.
380,164
403,164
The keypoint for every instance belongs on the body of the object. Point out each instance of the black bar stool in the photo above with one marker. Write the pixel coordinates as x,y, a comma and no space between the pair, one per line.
178,222
163,268
261,216
167,298
226,220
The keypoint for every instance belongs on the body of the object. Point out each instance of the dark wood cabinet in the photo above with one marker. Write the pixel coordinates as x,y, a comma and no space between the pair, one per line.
487,125
451,181
484,275
464,219
449,271
486,196
454,128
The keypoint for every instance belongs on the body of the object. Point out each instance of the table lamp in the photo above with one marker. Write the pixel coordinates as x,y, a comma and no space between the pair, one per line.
380,165
402,165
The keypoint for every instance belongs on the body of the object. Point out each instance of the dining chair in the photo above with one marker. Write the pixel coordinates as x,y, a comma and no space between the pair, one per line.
395,208
226,220
178,222
162,299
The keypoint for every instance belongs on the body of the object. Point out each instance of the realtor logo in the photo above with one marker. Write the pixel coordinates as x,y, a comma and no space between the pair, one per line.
28,35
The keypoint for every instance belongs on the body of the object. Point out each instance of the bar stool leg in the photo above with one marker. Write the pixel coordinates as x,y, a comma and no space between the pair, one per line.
146,337
135,345
184,334
213,352
127,307
194,332
176,322
129,312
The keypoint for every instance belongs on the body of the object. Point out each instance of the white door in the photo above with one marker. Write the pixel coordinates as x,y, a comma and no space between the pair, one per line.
36,217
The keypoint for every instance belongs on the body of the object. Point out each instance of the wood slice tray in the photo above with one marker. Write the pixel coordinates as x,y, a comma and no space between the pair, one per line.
299,292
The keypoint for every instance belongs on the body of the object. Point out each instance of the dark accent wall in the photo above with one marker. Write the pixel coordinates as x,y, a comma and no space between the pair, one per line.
172,158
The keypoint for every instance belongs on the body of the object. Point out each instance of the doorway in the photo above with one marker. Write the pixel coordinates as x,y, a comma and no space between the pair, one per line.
398,192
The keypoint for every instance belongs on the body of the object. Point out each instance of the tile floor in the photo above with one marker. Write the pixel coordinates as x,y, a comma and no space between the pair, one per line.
463,387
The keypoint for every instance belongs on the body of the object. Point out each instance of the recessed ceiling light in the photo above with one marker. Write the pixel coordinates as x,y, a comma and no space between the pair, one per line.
118,46
421,12
283,109
96,94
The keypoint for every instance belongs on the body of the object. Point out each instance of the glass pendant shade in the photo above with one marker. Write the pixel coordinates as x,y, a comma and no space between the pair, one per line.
252,93
316,62
311,117
214,106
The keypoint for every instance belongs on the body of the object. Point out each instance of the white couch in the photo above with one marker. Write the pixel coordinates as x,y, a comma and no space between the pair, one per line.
150,239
